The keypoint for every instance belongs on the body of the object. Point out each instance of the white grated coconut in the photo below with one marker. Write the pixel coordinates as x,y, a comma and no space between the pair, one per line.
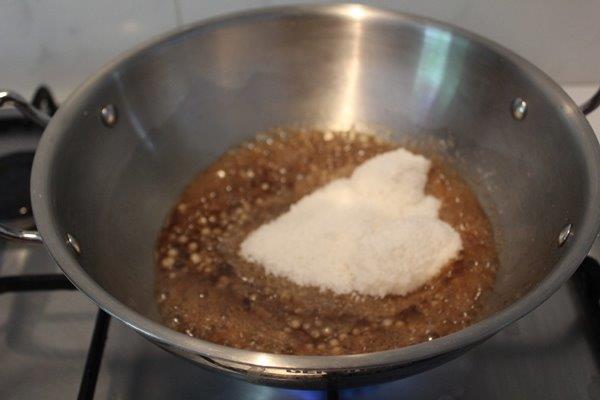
374,233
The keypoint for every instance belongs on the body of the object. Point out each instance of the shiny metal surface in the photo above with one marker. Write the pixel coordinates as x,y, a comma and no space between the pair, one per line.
565,234
519,108
189,96
8,97
72,241
19,235
108,113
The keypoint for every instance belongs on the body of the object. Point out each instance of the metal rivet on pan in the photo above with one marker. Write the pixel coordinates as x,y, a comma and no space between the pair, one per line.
565,234
108,113
71,241
519,108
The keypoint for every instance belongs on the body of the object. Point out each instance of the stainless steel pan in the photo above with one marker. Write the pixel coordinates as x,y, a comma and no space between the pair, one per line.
119,151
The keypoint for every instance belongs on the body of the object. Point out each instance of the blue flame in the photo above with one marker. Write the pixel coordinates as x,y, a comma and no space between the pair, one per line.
290,394
306,394
346,394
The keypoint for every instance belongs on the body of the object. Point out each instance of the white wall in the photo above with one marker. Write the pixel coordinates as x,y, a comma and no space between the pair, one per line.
60,42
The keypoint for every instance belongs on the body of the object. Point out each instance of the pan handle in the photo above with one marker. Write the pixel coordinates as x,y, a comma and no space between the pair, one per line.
36,116
8,97
591,104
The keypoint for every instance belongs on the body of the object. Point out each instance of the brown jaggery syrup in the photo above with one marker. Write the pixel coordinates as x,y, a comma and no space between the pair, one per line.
204,289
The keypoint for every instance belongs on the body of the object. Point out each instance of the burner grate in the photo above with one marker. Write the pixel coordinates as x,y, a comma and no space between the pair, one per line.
15,169
89,379
91,370
94,357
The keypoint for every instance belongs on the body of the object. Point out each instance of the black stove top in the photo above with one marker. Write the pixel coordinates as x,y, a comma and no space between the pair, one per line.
18,140
552,353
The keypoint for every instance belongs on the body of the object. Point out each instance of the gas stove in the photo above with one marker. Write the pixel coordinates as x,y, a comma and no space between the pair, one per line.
56,344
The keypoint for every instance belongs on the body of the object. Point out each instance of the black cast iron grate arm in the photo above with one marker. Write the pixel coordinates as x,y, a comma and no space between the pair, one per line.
27,283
